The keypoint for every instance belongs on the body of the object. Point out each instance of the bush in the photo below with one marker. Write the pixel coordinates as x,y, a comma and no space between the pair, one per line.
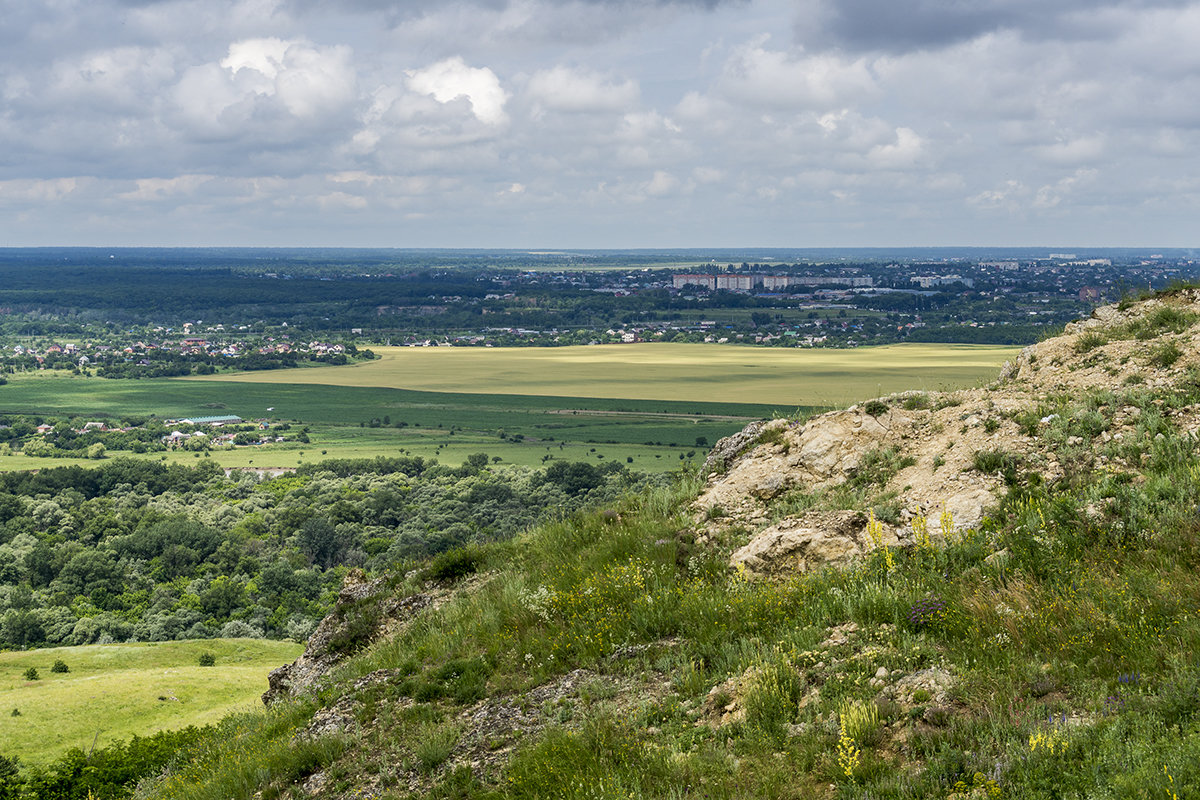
454,564
31,674
1089,341
434,745
859,721
875,407
207,660
60,666
1165,355
880,466
993,461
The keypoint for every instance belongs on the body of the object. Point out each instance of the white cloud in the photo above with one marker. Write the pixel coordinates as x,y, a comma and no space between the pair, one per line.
775,79
37,191
662,183
335,200
450,80
564,89
902,153
1082,150
261,80
157,189
1051,195
1004,195
744,116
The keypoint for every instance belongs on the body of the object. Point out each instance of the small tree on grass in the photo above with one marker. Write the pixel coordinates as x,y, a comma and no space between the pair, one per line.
60,666
207,659
31,674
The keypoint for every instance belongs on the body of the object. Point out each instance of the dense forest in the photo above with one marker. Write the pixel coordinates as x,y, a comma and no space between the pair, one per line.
136,550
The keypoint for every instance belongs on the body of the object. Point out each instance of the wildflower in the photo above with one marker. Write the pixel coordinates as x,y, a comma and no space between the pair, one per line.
1053,741
848,755
927,614
1171,784
947,522
920,529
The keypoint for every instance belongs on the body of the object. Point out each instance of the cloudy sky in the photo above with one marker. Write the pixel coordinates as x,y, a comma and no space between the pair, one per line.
600,123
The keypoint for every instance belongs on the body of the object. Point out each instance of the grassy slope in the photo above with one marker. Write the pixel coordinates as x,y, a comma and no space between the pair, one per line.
1072,655
115,690
785,377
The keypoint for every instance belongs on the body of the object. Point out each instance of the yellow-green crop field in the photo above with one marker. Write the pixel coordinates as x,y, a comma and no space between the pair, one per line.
644,405
730,374
115,691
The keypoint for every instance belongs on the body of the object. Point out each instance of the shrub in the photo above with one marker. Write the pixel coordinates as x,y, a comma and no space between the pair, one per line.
880,466
434,745
1089,340
875,407
358,627
207,660
31,674
1165,355
454,564
60,666
1179,700
772,698
1168,318
993,461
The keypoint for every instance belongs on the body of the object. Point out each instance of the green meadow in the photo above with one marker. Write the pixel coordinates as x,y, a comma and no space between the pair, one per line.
115,691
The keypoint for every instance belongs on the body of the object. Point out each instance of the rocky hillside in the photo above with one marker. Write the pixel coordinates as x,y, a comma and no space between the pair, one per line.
975,594
942,457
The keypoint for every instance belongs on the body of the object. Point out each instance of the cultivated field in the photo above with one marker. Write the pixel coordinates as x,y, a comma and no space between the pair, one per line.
643,405
786,377
119,690
429,424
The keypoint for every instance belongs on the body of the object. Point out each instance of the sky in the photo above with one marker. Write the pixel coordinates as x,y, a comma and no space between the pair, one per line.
600,123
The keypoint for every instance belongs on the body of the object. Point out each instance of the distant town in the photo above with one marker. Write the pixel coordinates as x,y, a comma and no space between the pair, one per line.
191,317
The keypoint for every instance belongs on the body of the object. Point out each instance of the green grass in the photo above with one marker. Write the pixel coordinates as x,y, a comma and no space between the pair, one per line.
115,691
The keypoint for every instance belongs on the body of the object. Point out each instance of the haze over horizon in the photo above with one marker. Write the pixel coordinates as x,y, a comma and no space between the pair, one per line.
600,123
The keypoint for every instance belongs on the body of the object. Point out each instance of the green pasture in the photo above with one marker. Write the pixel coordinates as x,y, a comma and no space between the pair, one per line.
442,425
786,377
115,691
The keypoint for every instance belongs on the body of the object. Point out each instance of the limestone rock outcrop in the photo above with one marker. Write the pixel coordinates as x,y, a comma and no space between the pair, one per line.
361,614
816,539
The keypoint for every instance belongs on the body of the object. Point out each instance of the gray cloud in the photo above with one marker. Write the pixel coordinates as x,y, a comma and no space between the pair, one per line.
590,123
897,25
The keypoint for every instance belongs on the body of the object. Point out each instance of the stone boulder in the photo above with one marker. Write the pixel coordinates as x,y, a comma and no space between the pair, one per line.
809,542
726,450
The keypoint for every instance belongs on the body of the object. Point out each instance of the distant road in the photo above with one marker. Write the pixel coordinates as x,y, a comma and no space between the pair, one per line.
787,377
